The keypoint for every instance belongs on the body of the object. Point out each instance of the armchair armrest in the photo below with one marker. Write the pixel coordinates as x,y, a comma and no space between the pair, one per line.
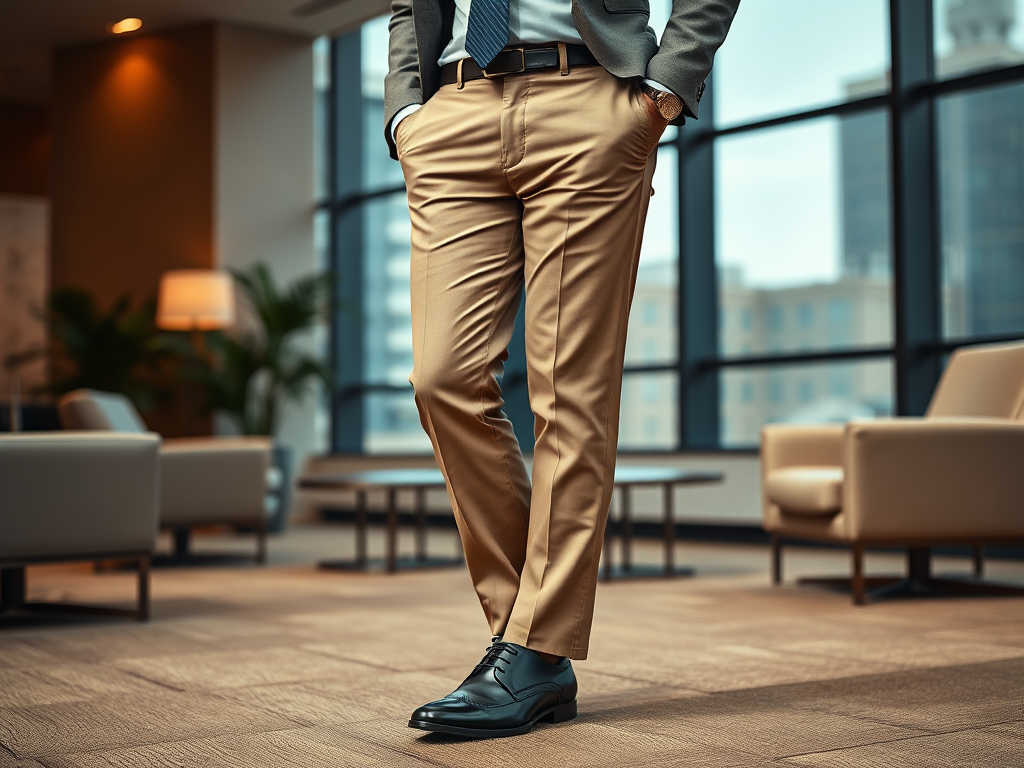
806,445
791,445
213,480
934,479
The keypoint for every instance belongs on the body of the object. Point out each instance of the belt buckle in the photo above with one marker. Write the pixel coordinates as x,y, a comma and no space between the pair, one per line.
522,66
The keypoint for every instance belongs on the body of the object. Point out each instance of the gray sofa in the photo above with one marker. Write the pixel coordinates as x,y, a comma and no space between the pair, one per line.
67,497
203,480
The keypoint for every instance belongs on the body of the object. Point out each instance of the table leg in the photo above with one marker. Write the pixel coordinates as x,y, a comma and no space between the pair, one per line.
857,582
670,530
392,531
627,529
12,588
606,548
361,529
142,586
421,524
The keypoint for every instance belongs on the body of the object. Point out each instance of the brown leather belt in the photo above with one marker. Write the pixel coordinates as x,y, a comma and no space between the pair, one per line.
512,61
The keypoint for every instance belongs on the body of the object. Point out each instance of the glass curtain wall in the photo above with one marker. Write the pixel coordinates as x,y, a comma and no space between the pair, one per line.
780,278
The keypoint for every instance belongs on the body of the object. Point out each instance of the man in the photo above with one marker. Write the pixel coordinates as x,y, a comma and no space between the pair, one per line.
527,132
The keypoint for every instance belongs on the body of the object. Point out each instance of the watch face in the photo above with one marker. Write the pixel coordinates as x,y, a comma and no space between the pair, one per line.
670,106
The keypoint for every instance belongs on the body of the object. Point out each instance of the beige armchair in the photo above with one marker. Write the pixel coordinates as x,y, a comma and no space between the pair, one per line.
203,481
66,497
953,477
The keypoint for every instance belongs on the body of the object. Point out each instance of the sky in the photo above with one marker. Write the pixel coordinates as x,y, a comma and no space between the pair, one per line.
777,201
777,192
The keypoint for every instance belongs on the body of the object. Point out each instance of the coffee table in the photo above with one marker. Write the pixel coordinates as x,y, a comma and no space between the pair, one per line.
391,481
629,477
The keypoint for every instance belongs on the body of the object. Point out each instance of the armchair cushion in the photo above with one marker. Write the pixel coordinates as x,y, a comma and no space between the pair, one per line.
220,480
68,495
982,382
800,445
806,490
92,409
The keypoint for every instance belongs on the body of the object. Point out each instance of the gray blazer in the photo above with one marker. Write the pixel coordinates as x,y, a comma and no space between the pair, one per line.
616,32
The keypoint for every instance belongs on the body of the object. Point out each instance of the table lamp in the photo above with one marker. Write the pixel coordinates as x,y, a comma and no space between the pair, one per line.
195,300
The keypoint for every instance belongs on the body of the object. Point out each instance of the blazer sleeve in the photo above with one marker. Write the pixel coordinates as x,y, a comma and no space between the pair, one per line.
694,32
402,85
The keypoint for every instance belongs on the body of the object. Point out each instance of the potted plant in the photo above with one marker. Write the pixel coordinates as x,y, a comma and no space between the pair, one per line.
254,371
117,350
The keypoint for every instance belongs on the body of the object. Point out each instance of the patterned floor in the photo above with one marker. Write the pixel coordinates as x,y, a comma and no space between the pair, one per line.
289,666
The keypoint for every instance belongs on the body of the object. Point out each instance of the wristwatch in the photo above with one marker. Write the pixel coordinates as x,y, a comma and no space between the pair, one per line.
668,104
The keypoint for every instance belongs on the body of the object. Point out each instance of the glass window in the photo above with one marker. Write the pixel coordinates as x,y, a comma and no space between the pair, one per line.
379,170
838,312
386,317
650,411
747,392
802,220
660,11
785,56
981,167
321,109
806,390
652,331
393,424
808,393
805,315
972,35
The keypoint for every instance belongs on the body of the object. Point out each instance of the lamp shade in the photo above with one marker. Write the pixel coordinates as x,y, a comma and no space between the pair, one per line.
196,300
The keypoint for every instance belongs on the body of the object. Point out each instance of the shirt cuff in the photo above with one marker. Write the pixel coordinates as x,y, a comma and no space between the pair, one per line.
400,115
654,84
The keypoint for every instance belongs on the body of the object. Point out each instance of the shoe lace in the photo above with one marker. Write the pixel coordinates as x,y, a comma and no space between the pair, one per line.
494,657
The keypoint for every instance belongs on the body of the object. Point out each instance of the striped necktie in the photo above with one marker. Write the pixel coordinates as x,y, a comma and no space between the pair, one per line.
487,30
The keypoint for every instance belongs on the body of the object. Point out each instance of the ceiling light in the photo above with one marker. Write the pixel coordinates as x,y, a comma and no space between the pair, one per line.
125,25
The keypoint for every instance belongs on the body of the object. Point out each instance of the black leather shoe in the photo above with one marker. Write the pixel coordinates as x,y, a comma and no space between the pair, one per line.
507,693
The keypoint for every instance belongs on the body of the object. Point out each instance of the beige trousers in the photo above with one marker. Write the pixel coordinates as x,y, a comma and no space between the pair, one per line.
537,180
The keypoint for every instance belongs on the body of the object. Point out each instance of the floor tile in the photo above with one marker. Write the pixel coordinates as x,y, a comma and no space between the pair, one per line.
907,651
982,748
123,721
568,745
928,699
735,666
231,669
742,722
393,695
262,750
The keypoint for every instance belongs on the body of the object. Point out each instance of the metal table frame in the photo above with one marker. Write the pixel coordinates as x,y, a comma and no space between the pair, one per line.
420,480
626,477
391,482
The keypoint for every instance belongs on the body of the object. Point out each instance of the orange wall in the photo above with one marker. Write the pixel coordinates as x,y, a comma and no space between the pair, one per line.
24,149
133,165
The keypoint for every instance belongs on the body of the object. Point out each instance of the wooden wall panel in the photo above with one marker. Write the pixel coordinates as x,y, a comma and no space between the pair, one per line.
24,149
133,161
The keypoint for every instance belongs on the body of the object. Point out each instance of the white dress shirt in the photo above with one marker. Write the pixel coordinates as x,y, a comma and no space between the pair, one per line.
529,21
